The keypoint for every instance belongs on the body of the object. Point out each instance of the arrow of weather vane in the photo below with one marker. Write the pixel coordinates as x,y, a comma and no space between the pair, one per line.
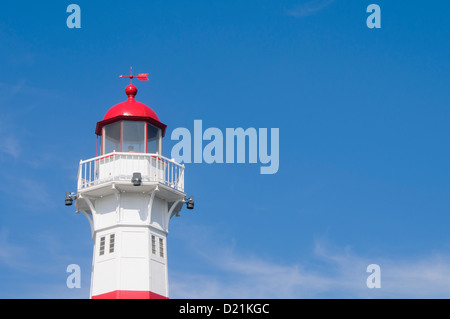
141,77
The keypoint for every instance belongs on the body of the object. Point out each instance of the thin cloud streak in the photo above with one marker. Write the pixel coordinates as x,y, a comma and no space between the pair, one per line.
10,254
308,8
9,145
325,275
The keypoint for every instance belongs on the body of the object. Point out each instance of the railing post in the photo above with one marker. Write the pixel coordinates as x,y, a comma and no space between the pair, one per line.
172,180
79,175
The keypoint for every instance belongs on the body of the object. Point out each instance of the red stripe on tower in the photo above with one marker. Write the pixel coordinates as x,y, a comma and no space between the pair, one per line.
129,294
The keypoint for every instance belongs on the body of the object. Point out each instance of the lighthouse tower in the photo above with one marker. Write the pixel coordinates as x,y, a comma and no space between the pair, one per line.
129,192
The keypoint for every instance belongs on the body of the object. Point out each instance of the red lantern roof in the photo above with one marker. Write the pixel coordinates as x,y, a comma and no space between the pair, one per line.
130,110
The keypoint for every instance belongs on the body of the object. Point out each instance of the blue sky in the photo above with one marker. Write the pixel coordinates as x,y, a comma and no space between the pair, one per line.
364,159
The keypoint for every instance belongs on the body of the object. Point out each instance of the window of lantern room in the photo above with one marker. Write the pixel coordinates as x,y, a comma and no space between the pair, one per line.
111,138
153,139
133,137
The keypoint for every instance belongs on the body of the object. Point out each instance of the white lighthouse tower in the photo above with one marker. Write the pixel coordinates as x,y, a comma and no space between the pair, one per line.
129,192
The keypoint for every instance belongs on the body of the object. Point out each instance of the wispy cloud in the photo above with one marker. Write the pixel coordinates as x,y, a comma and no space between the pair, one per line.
39,272
10,254
308,8
325,274
10,145
238,276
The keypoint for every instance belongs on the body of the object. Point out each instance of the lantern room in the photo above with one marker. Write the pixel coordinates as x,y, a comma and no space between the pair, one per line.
130,126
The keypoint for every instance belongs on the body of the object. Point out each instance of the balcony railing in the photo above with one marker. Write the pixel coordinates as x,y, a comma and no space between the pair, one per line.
120,166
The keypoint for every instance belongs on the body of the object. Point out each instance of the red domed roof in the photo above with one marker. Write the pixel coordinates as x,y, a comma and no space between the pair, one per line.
130,110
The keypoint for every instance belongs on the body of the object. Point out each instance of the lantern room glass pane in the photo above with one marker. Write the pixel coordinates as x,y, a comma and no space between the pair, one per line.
133,136
153,139
112,138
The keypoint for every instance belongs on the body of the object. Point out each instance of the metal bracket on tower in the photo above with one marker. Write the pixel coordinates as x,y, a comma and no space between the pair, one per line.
150,204
173,207
85,206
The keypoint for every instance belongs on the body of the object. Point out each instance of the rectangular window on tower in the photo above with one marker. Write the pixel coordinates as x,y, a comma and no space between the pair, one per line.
161,247
112,239
153,245
102,246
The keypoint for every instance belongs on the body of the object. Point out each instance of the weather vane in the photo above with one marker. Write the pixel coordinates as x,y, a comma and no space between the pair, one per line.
141,77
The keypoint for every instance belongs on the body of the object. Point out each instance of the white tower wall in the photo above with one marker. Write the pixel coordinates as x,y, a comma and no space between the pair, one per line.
129,227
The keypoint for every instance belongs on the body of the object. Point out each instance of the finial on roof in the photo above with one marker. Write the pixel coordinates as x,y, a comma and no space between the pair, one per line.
131,90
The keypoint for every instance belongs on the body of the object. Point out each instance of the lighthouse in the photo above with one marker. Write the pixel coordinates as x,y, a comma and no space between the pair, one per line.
129,192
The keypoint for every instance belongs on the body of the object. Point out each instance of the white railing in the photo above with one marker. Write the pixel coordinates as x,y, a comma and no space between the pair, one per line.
120,166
